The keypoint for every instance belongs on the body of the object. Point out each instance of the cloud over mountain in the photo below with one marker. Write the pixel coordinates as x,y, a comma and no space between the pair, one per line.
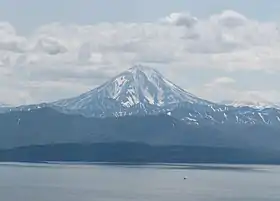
67,59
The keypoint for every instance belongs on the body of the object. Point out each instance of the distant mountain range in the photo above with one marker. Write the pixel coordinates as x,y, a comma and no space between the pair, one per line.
141,106
48,126
257,104
144,91
3,105
120,153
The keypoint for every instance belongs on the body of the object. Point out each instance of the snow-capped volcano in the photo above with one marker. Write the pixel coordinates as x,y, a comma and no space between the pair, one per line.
144,91
139,86
142,84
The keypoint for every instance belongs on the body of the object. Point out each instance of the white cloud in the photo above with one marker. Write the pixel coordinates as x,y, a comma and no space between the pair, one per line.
50,46
228,93
178,44
180,19
221,82
224,89
9,40
230,19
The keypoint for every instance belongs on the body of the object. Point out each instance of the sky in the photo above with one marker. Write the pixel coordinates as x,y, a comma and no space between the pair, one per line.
218,50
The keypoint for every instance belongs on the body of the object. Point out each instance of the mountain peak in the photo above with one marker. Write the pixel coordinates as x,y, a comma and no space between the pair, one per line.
145,70
142,68
138,87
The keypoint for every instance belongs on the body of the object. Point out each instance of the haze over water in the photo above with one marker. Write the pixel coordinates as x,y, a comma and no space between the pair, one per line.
62,182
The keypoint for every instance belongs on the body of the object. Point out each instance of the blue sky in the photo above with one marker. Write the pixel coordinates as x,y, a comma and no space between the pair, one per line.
218,49
29,14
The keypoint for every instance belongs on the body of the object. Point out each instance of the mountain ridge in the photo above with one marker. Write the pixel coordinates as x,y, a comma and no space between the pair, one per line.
172,117
48,126
139,87
141,90
253,104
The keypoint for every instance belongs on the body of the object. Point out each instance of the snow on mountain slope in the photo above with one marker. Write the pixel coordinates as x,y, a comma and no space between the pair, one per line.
228,115
144,91
4,107
9,108
138,87
254,102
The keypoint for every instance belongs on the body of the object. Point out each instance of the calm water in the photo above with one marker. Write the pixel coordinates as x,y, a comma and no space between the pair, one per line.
30,182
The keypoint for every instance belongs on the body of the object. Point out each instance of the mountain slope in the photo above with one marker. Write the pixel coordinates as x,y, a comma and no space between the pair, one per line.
257,104
45,126
48,126
142,91
4,107
135,153
139,90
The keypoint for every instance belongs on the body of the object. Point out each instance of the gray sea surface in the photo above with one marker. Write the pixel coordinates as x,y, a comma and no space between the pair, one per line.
126,182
